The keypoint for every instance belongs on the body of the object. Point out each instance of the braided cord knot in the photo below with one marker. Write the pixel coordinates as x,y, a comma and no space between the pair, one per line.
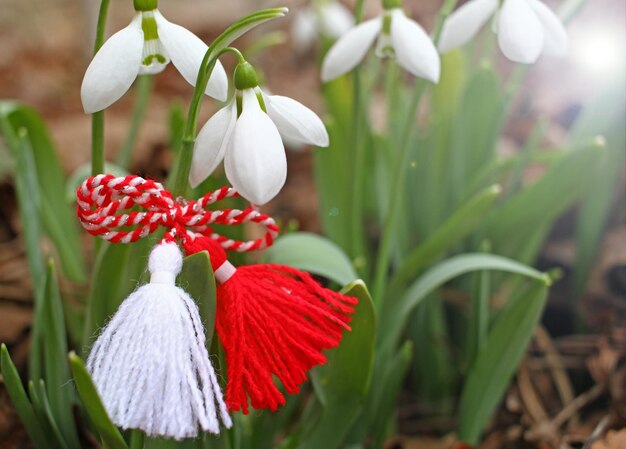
126,209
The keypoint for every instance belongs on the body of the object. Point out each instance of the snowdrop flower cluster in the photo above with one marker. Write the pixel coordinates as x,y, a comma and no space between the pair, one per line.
145,46
248,135
526,28
323,17
397,37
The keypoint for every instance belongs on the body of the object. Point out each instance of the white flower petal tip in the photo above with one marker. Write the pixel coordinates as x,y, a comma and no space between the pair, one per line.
335,20
296,122
350,49
520,32
187,51
217,87
255,161
464,23
413,48
113,69
555,36
212,143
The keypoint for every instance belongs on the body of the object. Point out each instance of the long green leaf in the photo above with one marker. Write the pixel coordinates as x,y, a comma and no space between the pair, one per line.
20,400
60,391
497,362
41,405
28,198
110,435
343,382
387,394
467,218
393,321
313,253
57,216
541,203
603,116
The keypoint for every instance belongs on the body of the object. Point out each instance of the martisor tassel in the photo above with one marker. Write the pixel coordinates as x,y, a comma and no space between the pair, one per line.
272,320
150,363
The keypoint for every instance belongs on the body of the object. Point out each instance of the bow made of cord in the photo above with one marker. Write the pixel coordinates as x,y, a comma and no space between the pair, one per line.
104,204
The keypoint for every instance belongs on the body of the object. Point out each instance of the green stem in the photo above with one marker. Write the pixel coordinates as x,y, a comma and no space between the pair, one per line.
97,118
136,439
359,8
182,165
399,174
358,157
144,88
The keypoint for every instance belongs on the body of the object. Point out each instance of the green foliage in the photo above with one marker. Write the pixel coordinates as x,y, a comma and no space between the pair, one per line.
497,361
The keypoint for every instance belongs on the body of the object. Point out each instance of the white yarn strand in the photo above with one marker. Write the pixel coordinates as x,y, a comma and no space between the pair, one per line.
150,363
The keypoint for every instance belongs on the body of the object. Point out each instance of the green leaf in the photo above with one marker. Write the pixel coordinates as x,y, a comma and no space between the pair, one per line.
27,190
474,132
387,393
60,390
109,434
313,253
57,216
42,408
603,116
20,400
393,321
343,382
197,279
539,204
462,222
497,362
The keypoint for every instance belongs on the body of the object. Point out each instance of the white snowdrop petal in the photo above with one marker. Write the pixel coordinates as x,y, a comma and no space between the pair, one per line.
464,23
255,161
113,69
555,36
414,49
350,49
186,50
295,121
520,33
336,20
211,143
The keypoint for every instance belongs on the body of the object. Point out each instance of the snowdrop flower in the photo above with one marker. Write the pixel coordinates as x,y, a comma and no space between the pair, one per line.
525,28
248,135
145,47
398,37
328,18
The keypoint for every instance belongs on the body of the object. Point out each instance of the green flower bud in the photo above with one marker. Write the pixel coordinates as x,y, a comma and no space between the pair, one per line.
245,76
390,4
145,5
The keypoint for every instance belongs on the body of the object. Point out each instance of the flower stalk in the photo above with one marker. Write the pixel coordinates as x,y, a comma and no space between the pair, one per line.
97,118
400,170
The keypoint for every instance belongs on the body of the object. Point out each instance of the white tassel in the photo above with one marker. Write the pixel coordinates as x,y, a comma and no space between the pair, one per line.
150,363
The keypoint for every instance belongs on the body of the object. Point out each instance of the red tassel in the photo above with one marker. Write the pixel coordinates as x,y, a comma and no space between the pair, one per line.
271,320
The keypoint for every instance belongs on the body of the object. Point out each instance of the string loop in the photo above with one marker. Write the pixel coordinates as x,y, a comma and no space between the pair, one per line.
105,206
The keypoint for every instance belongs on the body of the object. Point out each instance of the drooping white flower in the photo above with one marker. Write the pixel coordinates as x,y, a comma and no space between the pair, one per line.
145,47
326,18
248,135
398,37
526,28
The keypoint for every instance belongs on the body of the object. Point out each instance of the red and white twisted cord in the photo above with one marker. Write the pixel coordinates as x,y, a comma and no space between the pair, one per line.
104,204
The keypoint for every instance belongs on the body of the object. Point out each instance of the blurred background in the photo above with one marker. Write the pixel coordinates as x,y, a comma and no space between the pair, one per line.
46,45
